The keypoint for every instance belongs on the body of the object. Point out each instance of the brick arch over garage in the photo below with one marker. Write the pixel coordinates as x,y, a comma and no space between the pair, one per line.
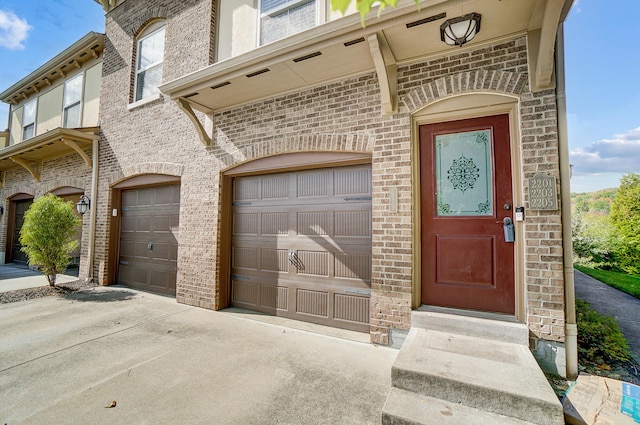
353,143
165,168
482,81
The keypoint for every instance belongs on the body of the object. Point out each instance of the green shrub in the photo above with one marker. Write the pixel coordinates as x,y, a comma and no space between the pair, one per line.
600,341
47,235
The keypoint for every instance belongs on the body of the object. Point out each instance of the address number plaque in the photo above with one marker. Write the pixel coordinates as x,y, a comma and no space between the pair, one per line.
543,194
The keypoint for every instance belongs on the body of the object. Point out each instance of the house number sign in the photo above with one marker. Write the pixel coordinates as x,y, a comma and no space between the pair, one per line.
543,194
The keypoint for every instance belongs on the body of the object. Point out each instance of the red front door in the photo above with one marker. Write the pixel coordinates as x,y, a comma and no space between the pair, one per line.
465,176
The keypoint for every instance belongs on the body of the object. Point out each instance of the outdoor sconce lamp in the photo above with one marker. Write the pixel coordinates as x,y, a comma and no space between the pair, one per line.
83,204
457,31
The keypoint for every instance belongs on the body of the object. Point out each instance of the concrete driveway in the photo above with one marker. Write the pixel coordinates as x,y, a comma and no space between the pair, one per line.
62,360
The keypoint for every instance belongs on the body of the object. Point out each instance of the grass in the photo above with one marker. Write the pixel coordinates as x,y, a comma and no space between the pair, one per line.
622,282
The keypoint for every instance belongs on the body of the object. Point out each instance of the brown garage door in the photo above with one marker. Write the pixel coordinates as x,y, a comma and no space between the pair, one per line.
301,245
149,238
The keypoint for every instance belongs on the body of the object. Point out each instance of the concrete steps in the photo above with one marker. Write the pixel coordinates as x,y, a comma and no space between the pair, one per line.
407,408
497,327
492,377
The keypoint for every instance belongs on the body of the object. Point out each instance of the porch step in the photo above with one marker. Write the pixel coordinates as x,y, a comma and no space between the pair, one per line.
502,378
407,408
491,326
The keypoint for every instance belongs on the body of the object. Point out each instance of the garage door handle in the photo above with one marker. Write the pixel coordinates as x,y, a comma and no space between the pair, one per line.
295,260
150,246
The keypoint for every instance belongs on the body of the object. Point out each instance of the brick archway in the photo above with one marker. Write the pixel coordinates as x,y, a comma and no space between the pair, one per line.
481,81
165,168
357,142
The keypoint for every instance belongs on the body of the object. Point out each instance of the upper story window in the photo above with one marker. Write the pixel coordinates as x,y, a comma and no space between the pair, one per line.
150,54
282,18
29,120
72,102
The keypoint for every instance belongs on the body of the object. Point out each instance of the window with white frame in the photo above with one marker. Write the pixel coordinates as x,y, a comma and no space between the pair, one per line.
282,18
29,120
150,55
72,102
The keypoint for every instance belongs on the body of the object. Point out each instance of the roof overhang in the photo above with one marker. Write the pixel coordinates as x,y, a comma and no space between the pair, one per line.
87,48
53,144
108,5
343,48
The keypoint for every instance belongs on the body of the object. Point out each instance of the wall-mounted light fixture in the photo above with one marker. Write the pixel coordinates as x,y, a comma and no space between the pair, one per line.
458,31
1,210
83,204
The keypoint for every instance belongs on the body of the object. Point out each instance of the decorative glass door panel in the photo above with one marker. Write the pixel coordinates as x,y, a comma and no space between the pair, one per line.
464,180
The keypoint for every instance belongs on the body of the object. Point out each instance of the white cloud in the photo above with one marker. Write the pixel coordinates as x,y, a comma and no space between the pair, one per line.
13,30
576,6
621,154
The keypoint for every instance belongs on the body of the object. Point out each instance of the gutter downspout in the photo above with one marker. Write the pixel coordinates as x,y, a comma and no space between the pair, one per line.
93,210
571,328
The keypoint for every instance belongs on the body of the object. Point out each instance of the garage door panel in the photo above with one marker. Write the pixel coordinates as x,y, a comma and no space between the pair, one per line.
313,263
128,224
143,224
245,224
351,308
324,218
129,197
245,258
316,223
353,265
311,302
314,184
163,196
161,251
353,223
127,248
145,197
274,297
163,281
274,260
352,181
161,223
274,187
245,292
139,274
274,223
246,189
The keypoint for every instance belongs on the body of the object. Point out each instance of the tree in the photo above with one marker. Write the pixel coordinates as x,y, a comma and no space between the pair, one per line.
593,240
625,217
364,6
47,235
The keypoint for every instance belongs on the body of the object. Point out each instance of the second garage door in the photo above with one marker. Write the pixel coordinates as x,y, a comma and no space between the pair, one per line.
148,253
301,245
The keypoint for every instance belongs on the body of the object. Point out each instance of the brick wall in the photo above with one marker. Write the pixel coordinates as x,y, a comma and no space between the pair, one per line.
341,116
158,137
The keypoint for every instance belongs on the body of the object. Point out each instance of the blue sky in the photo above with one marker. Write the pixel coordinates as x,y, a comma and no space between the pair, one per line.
602,67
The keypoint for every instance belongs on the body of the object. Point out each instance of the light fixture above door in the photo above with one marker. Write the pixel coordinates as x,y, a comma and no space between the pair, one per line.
460,30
